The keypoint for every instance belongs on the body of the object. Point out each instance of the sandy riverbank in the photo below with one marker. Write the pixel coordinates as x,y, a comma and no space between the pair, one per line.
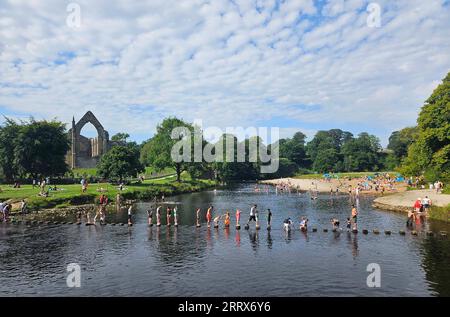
404,201
324,186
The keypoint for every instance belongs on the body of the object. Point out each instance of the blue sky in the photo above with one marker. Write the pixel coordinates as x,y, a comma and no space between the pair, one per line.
299,65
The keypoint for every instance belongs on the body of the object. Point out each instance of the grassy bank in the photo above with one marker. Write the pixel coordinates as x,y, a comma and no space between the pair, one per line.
70,195
440,213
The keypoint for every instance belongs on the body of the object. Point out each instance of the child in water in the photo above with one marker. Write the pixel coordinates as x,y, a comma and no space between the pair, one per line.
150,216
287,224
197,215
335,222
175,216
209,215
216,221
227,220
168,215
304,224
349,224
238,217
158,216
130,219
269,217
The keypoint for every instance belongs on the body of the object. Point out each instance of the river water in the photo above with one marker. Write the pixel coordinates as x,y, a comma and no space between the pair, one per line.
190,261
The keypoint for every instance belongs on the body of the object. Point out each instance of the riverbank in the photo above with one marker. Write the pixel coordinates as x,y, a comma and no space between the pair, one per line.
66,197
322,185
404,201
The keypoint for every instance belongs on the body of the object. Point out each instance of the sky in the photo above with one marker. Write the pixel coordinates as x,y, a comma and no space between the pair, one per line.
299,65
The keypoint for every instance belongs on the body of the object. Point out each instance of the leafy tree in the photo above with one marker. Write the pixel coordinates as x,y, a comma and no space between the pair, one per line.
8,134
120,137
286,168
40,148
399,141
431,147
362,153
294,149
120,161
157,151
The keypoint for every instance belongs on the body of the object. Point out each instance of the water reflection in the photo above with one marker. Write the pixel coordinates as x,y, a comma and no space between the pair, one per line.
185,260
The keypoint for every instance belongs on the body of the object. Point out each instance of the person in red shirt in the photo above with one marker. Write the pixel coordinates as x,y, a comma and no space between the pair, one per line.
418,205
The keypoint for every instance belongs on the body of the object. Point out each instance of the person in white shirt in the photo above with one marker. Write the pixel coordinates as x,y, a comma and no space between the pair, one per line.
253,214
130,215
426,203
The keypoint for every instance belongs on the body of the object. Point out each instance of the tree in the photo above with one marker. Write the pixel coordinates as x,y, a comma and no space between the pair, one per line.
294,149
399,141
325,150
120,161
362,153
157,151
430,151
120,137
40,148
8,135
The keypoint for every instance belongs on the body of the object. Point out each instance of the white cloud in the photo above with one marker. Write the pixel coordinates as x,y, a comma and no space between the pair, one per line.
229,63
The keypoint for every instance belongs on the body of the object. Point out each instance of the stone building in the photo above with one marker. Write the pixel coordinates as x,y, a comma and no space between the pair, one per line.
86,152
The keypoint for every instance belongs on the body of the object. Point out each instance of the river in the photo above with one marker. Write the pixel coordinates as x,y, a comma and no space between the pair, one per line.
190,261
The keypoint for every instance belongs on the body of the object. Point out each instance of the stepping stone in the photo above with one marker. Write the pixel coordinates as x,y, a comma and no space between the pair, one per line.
376,231
355,230
430,233
325,230
314,229
414,233
443,233
387,232
365,231
402,232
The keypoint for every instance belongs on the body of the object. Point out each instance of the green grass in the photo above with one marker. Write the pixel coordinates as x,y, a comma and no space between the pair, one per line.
341,175
151,172
80,172
71,194
440,213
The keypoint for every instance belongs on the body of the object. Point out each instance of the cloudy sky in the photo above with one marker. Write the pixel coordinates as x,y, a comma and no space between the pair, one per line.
295,64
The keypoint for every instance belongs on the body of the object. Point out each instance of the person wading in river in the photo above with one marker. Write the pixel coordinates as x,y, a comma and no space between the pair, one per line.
158,216
175,216
253,213
238,217
150,216
354,217
130,215
197,216
269,218
168,215
209,215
